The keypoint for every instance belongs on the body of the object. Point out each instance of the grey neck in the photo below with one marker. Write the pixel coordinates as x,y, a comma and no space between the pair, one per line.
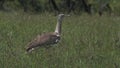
58,26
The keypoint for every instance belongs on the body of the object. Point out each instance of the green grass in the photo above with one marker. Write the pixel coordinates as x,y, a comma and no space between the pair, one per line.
87,41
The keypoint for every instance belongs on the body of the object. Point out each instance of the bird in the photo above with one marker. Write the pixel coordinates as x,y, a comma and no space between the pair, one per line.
47,39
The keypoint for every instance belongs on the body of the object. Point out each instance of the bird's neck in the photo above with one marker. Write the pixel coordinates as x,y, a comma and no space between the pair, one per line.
58,27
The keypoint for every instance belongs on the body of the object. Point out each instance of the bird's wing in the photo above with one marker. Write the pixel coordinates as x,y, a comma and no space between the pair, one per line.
45,39
49,39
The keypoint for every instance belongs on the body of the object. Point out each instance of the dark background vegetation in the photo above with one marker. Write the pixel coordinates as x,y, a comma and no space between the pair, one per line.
66,6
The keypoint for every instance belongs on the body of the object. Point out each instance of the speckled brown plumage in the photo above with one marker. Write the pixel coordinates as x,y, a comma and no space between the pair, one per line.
43,40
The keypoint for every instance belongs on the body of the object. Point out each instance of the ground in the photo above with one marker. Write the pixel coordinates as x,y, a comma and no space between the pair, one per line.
87,41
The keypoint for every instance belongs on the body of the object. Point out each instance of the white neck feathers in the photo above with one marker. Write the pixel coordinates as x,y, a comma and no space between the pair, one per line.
59,24
58,27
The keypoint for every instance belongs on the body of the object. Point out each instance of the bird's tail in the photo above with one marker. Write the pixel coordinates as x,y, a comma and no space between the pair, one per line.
30,48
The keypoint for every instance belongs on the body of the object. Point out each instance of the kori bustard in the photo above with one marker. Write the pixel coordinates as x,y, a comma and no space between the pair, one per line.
47,39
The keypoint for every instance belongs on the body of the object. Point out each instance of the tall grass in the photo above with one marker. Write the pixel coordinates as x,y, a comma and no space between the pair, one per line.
87,41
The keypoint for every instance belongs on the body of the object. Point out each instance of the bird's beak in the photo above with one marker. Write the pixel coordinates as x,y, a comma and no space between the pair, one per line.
67,15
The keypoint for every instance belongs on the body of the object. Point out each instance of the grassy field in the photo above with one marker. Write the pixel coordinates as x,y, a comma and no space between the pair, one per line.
87,41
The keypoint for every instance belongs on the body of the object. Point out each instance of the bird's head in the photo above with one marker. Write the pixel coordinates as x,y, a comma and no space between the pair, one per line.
60,16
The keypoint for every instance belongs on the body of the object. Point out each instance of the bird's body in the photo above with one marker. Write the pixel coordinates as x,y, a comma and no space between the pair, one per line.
43,40
47,39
